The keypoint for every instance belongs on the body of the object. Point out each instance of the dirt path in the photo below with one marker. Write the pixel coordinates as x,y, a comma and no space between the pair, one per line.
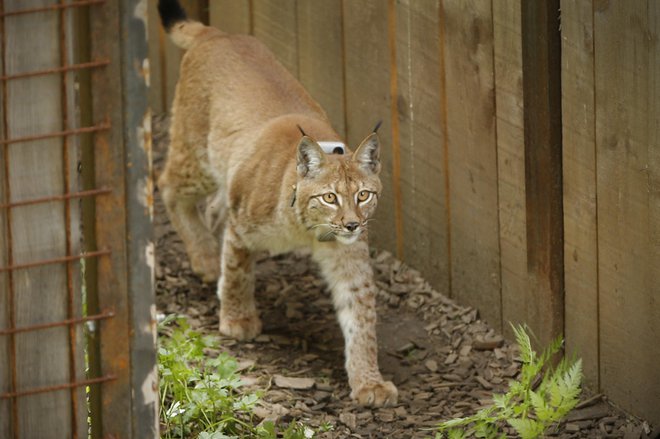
444,360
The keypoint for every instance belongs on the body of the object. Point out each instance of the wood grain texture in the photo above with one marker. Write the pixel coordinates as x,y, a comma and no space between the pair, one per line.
5,373
579,173
472,156
511,162
37,231
321,56
368,100
541,46
111,229
71,161
157,37
627,68
425,229
275,24
231,16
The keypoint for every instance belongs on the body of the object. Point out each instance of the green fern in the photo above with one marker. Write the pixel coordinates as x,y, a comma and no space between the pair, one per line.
529,411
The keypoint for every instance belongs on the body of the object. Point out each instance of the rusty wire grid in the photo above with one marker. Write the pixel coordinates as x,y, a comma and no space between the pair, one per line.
69,258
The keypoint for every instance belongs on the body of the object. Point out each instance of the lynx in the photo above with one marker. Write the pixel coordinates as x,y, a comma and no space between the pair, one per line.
245,130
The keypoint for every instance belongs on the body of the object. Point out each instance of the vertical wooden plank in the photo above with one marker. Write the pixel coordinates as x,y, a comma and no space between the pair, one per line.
626,78
231,16
511,162
422,174
320,56
367,95
474,228
110,226
157,100
541,47
649,408
275,25
579,172
36,171
5,374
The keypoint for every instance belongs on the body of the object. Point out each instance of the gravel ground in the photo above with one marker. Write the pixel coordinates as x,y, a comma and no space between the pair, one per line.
445,361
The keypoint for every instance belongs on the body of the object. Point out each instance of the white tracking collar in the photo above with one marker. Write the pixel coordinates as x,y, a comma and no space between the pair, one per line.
333,147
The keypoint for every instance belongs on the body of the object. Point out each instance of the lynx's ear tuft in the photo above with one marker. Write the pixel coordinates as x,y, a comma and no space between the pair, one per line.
367,155
310,157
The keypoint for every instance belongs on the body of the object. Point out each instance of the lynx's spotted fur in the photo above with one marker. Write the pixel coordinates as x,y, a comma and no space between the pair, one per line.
235,133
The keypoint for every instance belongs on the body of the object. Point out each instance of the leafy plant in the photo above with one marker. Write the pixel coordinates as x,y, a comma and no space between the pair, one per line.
200,396
540,397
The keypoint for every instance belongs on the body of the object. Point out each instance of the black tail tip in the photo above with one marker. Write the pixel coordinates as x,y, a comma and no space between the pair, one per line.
171,13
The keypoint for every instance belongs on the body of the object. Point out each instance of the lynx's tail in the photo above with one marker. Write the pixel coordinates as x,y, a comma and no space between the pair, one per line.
182,31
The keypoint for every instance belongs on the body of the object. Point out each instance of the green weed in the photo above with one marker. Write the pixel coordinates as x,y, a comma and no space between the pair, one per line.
200,396
530,406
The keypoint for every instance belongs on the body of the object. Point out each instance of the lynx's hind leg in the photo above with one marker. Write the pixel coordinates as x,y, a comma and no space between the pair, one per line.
183,184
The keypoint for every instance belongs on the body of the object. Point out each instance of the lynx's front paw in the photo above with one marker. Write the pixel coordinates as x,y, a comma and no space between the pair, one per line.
379,394
242,329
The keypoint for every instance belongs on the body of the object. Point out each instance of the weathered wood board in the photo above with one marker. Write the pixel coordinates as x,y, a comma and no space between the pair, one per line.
157,87
627,68
474,223
231,16
320,56
5,370
423,170
541,46
37,231
274,23
511,162
579,171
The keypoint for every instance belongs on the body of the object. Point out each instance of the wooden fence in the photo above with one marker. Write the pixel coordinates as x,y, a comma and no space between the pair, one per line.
476,98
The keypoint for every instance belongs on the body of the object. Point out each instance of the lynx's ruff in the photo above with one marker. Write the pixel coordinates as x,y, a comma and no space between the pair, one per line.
237,118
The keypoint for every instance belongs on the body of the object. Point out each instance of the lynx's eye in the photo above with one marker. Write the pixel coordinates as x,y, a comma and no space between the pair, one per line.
363,196
329,198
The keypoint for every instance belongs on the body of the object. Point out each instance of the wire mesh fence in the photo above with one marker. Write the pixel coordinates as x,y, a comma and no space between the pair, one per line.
76,318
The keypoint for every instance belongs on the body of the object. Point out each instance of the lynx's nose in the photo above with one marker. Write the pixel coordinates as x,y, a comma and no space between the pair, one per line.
352,226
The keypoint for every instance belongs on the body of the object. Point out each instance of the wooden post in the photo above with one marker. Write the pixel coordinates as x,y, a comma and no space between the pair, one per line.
543,172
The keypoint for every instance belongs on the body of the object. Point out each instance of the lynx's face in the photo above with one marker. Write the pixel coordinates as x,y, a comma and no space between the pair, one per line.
337,194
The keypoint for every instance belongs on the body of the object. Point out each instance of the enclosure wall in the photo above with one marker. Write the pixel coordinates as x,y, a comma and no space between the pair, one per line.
521,158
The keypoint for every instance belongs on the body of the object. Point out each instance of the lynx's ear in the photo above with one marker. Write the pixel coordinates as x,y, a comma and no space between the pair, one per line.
310,157
367,155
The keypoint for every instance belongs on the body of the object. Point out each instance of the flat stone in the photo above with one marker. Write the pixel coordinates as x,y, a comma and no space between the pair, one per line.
294,382
431,365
